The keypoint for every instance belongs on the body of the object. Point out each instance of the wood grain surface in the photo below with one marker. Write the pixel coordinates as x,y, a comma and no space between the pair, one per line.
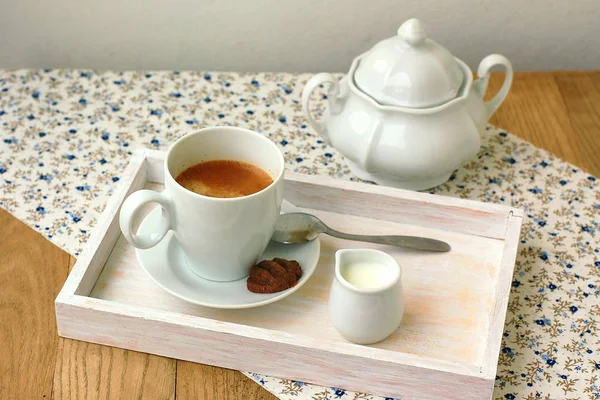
557,111
32,271
197,381
89,371
581,93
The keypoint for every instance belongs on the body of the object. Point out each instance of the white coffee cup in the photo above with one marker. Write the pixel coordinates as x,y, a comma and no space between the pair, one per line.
220,237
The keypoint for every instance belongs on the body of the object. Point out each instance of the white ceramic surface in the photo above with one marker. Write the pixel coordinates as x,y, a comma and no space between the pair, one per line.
365,316
409,70
220,237
407,148
166,265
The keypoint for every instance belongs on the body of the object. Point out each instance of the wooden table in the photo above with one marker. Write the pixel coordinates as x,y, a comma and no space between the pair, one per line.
557,111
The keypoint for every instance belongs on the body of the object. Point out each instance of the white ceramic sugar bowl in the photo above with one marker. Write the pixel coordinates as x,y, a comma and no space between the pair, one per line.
408,113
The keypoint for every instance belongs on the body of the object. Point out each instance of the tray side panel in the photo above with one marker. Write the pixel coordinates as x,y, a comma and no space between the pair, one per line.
118,326
155,163
479,219
501,297
193,343
446,317
89,265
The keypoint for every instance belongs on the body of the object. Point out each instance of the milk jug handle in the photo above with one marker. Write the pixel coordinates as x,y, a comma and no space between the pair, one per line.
483,73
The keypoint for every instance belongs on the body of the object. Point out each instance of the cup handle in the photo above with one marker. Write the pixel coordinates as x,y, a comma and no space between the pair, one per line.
130,208
484,76
311,85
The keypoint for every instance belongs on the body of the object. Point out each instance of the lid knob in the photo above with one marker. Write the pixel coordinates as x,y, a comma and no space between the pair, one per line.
413,32
410,70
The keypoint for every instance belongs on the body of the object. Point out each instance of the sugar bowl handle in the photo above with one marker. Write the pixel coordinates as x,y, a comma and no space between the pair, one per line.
484,76
311,85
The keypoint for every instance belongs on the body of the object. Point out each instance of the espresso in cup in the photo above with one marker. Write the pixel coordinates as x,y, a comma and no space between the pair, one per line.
224,178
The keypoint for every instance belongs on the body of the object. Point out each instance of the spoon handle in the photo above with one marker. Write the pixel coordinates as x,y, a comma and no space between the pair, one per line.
411,242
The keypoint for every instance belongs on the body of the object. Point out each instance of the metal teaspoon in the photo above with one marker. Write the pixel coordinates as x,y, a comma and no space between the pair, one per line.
302,227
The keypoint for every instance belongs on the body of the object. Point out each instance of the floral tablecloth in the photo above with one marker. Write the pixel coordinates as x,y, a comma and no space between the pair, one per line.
67,135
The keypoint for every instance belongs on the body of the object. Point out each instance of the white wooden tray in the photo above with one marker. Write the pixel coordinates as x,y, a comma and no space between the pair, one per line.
455,303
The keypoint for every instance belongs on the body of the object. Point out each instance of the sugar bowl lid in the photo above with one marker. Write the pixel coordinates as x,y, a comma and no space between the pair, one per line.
409,70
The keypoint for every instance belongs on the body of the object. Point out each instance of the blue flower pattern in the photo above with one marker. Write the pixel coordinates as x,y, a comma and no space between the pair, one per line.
67,136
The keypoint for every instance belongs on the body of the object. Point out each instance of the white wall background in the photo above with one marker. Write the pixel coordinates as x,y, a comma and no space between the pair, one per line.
288,35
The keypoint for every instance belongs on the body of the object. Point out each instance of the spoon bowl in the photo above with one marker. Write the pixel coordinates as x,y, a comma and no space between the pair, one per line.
298,228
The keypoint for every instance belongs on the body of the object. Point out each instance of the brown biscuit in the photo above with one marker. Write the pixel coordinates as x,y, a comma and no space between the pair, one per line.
260,275
257,287
290,279
270,276
274,268
290,266
279,272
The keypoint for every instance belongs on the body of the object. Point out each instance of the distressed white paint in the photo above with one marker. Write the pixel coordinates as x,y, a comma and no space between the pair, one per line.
447,345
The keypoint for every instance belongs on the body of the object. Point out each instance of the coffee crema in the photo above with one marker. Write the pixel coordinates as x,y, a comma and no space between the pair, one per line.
224,178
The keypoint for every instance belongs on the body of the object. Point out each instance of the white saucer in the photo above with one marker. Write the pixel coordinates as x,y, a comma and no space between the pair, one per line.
166,265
